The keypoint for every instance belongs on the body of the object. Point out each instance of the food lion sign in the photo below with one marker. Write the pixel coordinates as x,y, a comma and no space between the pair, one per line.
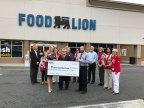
63,22
63,68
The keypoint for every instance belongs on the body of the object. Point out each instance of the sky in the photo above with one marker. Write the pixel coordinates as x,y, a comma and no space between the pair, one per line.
131,1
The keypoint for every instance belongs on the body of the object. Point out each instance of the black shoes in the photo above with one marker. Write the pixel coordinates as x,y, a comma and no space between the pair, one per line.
115,93
92,83
105,88
37,82
33,83
66,88
100,84
84,91
78,90
60,89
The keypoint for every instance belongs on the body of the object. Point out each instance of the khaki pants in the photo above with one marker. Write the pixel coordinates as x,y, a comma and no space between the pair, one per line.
108,78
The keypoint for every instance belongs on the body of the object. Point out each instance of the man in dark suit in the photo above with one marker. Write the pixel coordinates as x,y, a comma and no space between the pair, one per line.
34,64
64,57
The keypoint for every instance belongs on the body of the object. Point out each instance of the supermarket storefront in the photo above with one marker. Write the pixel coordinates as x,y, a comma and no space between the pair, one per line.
67,23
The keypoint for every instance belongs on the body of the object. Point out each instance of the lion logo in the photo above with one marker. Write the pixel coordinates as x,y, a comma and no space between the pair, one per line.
61,21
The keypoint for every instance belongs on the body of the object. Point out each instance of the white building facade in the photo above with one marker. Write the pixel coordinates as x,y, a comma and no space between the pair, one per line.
22,22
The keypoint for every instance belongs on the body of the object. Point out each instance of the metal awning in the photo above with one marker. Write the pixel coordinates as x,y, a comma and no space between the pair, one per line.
116,4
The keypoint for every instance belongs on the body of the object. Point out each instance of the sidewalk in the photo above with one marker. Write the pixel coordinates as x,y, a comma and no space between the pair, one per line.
13,65
23,65
139,103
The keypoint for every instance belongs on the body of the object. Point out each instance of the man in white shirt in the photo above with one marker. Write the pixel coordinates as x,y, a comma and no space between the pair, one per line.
92,58
83,71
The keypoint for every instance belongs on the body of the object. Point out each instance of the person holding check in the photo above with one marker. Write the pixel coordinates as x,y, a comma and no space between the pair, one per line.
64,57
51,56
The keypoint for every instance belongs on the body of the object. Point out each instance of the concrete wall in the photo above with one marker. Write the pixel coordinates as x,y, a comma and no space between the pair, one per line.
130,52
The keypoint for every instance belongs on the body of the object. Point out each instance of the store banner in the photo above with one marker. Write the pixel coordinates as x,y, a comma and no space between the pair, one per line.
58,22
5,51
63,68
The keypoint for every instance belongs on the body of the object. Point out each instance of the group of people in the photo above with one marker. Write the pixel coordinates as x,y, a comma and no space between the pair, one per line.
107,62
109,69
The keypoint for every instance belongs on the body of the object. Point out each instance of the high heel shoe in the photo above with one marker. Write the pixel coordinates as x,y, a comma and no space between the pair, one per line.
50,91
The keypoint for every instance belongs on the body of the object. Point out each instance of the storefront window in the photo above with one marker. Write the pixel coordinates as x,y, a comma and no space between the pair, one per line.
10,48
74,46
96,45
5,42
80,44
16,48
5,48
110,46
16,42
16,51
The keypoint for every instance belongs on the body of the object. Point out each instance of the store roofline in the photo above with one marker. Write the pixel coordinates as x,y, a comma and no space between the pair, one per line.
116,5
121,2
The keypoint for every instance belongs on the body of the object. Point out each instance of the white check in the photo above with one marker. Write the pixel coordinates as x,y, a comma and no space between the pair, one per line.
63,68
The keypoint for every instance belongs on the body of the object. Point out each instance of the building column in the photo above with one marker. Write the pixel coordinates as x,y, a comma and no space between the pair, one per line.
26,48
139,50
142,55
138,55
26,51
118,47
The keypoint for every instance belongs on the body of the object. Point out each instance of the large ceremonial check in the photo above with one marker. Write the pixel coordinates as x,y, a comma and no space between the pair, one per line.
63,68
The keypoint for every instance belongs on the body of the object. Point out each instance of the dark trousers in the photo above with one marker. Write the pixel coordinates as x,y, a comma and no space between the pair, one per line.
101,74
91,72
33,74
44,76
83,78
63,79
75,79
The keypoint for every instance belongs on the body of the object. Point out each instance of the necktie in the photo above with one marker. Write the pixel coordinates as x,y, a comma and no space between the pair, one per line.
36,53
81,55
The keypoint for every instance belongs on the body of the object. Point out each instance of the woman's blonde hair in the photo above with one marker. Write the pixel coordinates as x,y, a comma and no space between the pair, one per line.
101,49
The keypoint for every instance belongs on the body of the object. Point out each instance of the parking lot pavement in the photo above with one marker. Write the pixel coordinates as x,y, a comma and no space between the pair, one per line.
17,92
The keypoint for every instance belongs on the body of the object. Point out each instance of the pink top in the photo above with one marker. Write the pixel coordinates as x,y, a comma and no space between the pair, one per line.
43,64
116,64
108,61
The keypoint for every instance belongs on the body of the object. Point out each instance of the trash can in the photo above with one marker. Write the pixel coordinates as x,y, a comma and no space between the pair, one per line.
132,60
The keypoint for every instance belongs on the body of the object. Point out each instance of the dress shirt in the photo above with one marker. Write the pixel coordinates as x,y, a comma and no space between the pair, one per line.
92,57
83,59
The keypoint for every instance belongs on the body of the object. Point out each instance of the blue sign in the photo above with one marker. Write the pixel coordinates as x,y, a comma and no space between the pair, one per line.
59,21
